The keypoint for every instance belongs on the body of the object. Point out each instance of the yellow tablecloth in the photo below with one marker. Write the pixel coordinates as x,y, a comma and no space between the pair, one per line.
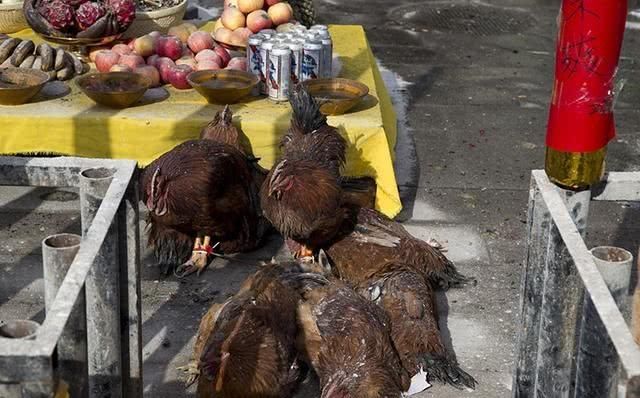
72,124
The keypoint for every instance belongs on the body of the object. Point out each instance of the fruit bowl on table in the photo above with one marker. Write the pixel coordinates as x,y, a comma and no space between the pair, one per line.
79,23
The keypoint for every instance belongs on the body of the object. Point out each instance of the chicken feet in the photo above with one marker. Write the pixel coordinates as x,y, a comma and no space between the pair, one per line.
199,258
191,371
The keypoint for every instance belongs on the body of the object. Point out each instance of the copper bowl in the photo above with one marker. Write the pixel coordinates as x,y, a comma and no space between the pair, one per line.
336,95
223,86
19,85
114,89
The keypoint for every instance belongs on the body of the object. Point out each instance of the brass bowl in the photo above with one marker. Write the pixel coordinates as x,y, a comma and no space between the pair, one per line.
114,89
19,85
80,42
336,95
223,86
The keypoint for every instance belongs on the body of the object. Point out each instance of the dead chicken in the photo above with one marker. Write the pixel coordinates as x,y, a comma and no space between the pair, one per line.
346,340
246,346
368,234
410,303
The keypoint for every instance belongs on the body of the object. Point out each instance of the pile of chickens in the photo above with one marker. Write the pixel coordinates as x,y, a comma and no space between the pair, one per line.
356,304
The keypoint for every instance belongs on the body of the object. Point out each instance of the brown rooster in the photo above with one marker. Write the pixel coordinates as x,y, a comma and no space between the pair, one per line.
410,303
367,233
246,346
346,340
202,188
221,129
302,195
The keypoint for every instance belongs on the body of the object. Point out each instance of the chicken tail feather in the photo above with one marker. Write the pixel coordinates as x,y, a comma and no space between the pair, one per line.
449,276
447,371
306,110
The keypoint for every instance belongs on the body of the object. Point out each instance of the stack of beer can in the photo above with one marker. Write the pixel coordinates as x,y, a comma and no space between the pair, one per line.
283,59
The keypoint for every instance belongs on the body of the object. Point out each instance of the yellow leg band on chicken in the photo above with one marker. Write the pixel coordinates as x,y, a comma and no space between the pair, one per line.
60,122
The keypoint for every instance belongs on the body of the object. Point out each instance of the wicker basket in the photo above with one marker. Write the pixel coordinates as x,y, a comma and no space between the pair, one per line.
160,20
11,18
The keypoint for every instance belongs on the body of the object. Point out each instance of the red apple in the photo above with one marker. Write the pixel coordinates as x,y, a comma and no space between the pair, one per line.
186,52
121,49
155,34
131,60
190,61
232,18
223,53
223,35
144,46
178,76
280,13
152,60
120,68
258,20
209,55
95,50
164,66
199,41
238,64
150,72
269,3
208,64
169,46
105,59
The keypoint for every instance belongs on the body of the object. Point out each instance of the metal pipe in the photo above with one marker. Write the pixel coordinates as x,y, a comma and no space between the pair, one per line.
58,252
102,293
597,361
131,303
561,305
538,222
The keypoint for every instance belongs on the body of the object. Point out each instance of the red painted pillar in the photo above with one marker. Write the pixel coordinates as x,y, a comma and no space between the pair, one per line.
581,116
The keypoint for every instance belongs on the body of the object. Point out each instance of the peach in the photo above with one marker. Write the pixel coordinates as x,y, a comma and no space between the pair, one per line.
106,59
95,50
131,60
150,72
155,34
247,6
189,27
280,13
240,36
224,35
258,20
232,18
217,25
199,41
230,3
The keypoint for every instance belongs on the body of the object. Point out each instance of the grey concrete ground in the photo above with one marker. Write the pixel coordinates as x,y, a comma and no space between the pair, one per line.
473,103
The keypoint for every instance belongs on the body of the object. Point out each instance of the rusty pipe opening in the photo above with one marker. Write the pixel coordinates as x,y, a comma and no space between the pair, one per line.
62,241
19,329
98,173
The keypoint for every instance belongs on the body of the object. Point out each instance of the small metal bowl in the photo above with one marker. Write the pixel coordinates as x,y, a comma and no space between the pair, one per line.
223,86
336,95
114,89
19,85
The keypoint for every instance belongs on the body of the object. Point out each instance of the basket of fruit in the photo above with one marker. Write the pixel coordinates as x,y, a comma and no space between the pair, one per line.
79,22
156,15
242,18
11,16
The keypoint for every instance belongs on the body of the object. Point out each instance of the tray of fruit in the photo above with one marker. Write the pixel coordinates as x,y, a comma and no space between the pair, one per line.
79,22
242,18
168,58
